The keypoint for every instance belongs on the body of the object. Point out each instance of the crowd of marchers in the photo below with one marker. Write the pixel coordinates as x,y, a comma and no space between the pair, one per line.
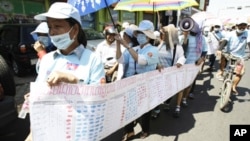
63,56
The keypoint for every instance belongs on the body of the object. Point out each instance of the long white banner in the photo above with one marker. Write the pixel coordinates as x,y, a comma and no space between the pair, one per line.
75,112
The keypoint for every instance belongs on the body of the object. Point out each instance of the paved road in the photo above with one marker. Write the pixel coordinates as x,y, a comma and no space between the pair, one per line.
22,86
201,120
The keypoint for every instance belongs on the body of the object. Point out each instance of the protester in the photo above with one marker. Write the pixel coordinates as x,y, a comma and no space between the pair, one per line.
106,50
71,62
71,59
171,54
131,40
139,59
195,49
43,43
237,42
212,44
216,31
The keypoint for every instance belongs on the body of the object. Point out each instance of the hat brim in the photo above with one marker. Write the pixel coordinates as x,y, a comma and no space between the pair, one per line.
148,33
44,16
38,31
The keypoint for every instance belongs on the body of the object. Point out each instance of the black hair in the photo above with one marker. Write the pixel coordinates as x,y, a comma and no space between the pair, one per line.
151,41
192,33
81,37
133,40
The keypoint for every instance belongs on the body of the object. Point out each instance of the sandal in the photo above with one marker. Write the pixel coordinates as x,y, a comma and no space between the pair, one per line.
234,92
128,136
144,135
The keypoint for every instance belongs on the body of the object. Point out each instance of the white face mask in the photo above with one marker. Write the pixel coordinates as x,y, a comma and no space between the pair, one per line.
240,31
141,38
44,40
62,41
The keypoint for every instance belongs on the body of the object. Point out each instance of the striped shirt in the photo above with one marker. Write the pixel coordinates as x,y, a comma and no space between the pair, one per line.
191,52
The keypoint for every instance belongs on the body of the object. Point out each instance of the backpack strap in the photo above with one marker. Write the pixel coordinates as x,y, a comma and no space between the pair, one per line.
174,52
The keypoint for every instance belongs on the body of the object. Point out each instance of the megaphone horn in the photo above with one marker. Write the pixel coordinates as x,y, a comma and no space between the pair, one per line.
187,24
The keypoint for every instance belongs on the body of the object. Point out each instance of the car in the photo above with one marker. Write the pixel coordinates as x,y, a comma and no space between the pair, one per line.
16,47
8,111
93,38
12,128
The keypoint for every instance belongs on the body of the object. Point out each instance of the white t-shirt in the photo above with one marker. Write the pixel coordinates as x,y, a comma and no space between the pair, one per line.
107,53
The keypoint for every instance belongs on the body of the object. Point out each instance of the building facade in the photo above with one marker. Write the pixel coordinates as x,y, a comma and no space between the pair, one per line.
23,11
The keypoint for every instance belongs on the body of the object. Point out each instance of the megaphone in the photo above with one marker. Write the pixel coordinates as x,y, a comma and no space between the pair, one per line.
188,24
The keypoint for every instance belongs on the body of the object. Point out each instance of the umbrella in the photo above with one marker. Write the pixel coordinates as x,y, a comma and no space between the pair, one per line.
204,18
212,22
154,5
203,15
89,6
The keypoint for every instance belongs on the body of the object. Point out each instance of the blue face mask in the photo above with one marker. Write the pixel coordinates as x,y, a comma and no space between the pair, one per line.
130,44
141,38
44,40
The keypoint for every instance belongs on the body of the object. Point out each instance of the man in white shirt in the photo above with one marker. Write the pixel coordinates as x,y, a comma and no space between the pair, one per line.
107,52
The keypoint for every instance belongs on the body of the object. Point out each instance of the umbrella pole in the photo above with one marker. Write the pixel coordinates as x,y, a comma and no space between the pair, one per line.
111,16
155,18
178,18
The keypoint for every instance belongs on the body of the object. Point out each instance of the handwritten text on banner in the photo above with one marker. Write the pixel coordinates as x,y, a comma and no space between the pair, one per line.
75,112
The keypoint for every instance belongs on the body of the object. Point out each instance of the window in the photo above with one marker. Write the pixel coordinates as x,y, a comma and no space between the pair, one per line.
88,21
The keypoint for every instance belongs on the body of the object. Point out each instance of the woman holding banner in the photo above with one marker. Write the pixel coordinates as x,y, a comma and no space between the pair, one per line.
137,60
170,54
71,62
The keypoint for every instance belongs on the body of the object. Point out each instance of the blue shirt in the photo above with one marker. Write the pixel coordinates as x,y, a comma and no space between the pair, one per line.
148,52
166,56
218,35
83,63
192,55
237,44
